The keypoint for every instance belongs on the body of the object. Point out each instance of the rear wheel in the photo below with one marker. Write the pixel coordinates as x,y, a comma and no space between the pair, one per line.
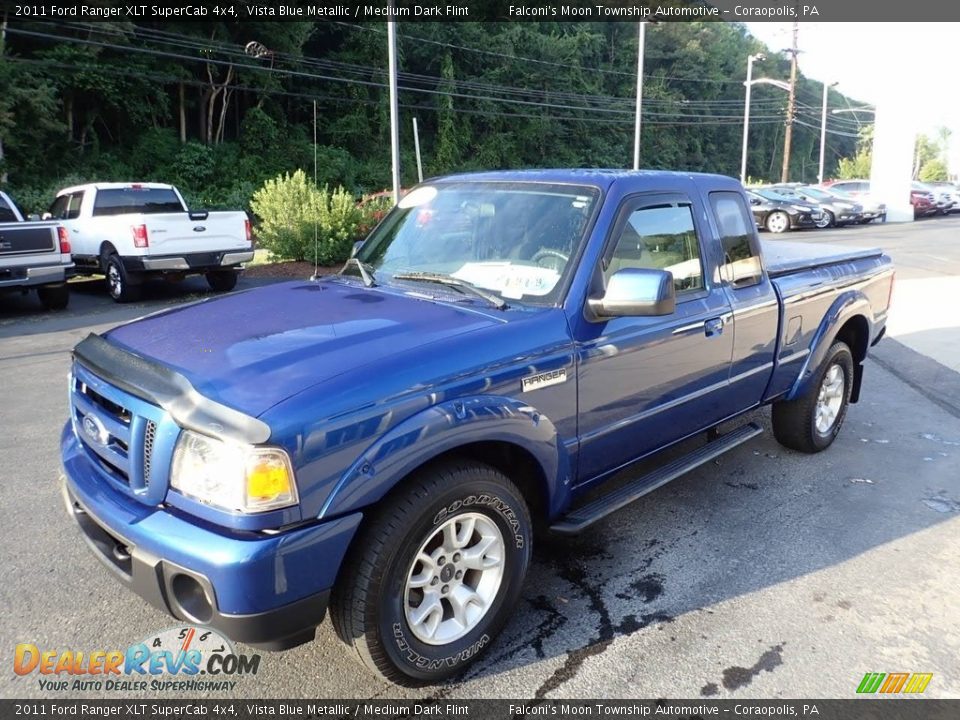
119,283
435,574
778,222
810,423
54,297
222,280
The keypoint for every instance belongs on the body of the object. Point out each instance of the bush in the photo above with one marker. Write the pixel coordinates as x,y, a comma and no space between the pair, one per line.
294,212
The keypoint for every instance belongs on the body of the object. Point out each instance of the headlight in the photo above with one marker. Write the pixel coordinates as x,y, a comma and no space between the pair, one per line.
801,208
844,206
232,476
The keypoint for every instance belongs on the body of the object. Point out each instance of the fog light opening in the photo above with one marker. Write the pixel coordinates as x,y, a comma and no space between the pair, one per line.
192,599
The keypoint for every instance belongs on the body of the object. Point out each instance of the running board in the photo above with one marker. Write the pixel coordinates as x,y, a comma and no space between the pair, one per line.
582,517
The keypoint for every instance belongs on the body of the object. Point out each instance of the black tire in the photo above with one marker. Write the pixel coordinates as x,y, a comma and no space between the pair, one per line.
54,297
222,280
369,602
778,222
119,281
795,421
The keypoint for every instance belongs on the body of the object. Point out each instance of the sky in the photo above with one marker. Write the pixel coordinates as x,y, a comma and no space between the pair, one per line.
913,63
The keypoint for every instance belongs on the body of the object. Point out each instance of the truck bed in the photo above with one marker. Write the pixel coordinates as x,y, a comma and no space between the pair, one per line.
785,258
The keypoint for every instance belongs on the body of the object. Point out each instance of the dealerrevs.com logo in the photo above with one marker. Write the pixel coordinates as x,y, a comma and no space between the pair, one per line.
186,658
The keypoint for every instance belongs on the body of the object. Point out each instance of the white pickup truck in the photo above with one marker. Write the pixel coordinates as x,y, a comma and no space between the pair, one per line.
129,230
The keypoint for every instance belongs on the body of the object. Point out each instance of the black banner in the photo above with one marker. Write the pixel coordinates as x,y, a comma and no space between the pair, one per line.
487,10
447,709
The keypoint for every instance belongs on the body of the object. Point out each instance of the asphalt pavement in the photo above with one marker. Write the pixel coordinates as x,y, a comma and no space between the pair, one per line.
764,574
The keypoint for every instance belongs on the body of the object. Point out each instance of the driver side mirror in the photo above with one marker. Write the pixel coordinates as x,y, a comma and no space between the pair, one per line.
754,201
635,292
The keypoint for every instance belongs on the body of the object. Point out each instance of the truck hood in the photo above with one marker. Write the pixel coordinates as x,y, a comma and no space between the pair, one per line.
254,349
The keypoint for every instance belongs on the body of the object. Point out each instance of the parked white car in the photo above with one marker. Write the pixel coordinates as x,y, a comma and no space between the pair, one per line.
130,230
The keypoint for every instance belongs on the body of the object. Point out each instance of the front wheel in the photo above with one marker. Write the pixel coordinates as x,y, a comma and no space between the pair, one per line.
826,220
222,280
810,423
435,574
778,222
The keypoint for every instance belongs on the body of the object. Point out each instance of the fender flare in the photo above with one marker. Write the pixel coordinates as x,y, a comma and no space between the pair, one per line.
444,427
847,305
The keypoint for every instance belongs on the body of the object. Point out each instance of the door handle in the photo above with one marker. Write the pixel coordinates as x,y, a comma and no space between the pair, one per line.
713,326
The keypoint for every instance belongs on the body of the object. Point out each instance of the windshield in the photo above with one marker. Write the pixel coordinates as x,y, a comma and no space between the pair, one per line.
779,196
514,239
818,193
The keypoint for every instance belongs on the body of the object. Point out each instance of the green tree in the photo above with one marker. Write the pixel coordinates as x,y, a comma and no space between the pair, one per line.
934,170
299,221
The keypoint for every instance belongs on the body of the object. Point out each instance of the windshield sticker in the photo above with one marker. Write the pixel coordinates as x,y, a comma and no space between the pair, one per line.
511,281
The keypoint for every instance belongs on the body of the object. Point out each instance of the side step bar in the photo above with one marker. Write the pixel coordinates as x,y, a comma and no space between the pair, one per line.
582,517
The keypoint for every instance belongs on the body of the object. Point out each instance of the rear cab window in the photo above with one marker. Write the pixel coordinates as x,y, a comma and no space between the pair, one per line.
741,258
136,200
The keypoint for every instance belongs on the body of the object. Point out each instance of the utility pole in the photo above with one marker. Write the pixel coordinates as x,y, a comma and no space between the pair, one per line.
636,122
791,106
394,121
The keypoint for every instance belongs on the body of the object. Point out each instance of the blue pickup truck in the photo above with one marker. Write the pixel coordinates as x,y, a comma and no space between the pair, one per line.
385,441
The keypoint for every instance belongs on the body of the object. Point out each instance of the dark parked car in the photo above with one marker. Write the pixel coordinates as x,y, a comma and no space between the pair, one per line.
779,213
836,210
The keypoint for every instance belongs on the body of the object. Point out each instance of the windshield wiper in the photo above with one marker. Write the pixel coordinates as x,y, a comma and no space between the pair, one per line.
366,271
465,287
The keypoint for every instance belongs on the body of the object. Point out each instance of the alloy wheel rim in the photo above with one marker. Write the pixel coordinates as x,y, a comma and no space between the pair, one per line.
113,278
830,399
778,223
454,578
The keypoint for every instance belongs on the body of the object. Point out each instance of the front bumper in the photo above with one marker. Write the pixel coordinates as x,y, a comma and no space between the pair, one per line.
37,275
187,262
267,590
804,220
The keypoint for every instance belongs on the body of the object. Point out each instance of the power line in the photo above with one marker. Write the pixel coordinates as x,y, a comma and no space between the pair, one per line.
527,103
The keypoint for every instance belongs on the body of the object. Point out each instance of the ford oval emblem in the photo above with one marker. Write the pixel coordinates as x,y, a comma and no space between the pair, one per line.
199,228
95,430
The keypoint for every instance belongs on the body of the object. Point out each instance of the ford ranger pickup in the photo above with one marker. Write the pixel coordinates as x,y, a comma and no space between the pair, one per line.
384,441
34,256
131,231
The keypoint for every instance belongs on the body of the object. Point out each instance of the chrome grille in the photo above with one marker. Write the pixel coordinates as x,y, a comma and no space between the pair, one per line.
129,441
149,434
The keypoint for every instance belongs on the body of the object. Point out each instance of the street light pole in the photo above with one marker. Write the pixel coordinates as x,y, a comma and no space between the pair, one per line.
636,122
823,129
394,120
746,116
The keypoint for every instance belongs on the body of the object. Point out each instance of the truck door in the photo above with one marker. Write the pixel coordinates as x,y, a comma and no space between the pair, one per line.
756,314
644,382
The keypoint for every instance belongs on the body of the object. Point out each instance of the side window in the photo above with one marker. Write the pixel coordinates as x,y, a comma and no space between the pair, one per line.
6,212
73,209
58,211
661,237
741,263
